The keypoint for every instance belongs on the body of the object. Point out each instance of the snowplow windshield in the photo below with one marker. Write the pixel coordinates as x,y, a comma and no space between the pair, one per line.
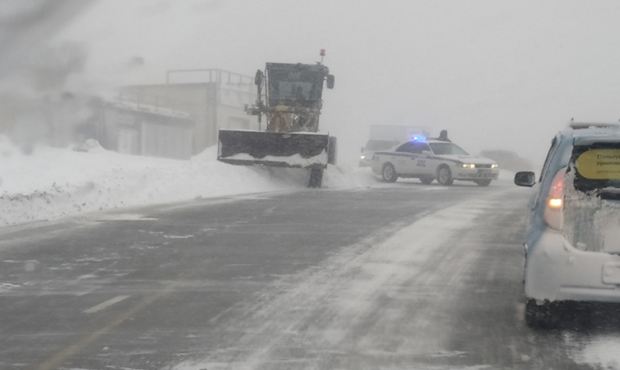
295,84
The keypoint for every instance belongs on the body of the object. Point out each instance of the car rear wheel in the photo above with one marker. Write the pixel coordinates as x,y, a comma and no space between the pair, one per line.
444,176
485,182
389,173
426,180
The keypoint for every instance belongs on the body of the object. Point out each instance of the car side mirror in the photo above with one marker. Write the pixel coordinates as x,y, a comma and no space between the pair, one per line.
525,178
331,81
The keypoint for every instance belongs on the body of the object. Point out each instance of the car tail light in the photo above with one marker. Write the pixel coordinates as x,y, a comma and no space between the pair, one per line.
554,205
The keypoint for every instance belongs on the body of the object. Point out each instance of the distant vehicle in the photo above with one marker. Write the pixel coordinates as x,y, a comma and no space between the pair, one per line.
373,146
290,96
428,160
572,249
385,137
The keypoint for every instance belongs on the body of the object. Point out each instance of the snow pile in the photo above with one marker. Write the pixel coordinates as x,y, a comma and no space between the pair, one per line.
602,352
350,176
51,183
591,221
293,160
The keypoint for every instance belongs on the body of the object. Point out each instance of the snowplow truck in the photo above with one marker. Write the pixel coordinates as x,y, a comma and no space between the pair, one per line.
289,96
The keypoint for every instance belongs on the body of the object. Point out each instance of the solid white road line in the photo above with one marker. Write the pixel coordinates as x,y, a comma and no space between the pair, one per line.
106,304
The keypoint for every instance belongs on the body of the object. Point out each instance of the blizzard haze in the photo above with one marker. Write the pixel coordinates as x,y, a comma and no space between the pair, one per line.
147,225
495,74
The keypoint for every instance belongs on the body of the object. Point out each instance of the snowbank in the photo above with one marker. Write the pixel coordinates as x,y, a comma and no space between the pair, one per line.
52,183
601,353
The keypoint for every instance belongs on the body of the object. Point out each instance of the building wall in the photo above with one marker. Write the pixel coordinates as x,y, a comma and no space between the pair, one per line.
190,98
143,133
162,140
212,105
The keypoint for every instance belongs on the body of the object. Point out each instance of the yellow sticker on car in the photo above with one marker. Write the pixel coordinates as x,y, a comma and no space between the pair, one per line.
599,164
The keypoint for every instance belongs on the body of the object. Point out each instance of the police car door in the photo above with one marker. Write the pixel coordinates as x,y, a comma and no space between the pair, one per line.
423,159
405,158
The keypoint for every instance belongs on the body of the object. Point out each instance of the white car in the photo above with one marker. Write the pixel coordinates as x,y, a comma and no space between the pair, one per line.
572,247
373,146
428,160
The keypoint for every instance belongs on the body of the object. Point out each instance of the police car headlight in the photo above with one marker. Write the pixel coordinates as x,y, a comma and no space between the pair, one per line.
468,165
362,157
494,165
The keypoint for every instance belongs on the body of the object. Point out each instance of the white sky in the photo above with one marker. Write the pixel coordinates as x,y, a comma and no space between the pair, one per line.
496,74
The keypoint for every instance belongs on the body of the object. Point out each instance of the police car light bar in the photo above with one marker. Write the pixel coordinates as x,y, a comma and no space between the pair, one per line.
418,138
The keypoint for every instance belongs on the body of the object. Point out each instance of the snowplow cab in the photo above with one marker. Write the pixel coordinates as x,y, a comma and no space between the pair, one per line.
295,84
293,95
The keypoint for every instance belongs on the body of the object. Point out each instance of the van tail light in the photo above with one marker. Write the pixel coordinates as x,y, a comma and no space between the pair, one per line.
554,205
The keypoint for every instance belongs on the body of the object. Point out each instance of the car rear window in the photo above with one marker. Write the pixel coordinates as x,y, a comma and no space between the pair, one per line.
597,168
592,210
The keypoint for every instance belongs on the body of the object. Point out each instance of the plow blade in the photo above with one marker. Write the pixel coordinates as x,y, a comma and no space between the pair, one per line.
297,149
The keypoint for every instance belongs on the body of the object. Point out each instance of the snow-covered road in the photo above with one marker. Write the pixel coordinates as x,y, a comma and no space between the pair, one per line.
405,276
353,310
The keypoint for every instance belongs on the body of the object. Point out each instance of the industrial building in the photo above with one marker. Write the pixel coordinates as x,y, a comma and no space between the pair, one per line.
211,98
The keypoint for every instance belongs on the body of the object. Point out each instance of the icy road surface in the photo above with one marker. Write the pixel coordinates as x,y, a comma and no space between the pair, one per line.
404,276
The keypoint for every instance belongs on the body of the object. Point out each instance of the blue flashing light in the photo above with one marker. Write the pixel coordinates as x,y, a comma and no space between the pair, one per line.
418,138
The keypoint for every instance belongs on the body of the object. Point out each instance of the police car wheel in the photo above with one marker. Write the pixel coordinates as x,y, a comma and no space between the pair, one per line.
483,182
389,173
426,180
444,176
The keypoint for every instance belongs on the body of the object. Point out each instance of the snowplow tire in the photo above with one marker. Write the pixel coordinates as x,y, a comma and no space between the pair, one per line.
316,178
332,150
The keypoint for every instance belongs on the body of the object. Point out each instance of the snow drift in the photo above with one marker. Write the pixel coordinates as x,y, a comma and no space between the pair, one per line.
50,183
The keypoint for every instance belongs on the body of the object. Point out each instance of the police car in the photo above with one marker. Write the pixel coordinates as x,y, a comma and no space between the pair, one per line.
428,160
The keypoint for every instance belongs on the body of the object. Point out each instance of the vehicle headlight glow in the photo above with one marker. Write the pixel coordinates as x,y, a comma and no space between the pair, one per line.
494,165
468,165
362,157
